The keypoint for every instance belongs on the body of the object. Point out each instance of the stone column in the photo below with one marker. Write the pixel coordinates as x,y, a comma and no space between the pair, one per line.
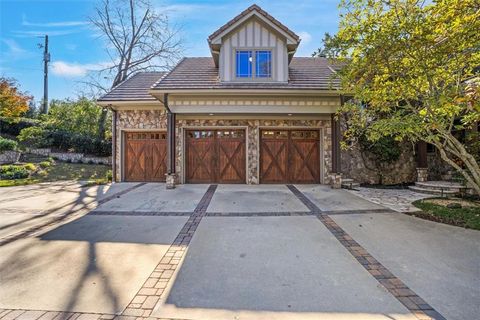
422,166
422,174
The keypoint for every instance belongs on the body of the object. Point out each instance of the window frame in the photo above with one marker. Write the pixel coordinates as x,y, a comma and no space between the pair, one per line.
254,77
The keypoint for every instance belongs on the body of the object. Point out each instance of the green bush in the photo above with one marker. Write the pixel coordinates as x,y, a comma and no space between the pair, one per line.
40,137
14,126
7,144
45,164
30,166
35,137
385,149
109,175
12,172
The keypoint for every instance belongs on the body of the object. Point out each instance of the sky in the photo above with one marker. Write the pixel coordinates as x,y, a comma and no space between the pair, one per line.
76,48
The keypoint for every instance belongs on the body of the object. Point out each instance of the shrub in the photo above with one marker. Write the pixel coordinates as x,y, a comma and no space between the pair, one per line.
386,149
30,166
12,172
109,175
45,164
36,137
7,144
14,126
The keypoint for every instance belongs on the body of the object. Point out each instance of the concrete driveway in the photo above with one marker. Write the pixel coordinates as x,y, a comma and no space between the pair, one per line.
230,252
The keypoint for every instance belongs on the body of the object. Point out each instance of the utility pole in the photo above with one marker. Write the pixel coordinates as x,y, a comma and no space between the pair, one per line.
46,60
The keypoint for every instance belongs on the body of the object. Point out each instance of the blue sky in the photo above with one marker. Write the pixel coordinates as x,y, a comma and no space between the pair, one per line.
76,50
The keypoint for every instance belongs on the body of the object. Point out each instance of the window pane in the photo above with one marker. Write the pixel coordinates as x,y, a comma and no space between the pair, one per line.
244,64
264,64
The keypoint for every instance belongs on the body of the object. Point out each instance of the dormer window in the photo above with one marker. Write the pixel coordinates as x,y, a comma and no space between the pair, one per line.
253,64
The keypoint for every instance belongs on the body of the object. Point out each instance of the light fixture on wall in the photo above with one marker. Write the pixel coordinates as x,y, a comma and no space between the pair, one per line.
211,114
289,114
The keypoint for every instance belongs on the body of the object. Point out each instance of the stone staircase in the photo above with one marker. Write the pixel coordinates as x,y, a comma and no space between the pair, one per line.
348,183
439,188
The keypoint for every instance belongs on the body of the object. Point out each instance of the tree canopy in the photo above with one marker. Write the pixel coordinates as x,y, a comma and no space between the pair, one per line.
13,102
412,68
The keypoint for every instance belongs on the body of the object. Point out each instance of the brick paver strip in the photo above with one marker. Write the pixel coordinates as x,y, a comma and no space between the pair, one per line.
154,287
140,213
259,214
71,214
307,202
406,296
360,211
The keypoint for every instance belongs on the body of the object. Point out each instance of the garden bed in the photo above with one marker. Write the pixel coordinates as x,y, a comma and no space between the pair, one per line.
436,209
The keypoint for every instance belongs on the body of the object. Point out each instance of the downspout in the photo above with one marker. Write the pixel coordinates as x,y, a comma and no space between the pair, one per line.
114,144
336,161
171,174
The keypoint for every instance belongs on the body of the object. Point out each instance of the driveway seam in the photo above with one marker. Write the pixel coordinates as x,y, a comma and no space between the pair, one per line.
154,288
63,217
413,302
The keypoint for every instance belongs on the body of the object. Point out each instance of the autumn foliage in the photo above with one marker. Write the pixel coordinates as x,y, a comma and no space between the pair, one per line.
13,102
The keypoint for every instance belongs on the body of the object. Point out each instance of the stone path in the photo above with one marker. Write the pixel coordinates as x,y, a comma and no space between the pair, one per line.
399,200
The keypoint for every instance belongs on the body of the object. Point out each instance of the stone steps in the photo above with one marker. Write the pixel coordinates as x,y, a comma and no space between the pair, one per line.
442,188
349,184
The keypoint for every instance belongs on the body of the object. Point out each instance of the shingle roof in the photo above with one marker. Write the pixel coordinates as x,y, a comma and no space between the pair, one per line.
263,13
201,73
134,88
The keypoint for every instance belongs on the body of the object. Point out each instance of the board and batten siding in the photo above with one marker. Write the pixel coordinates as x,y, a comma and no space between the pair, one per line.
254,35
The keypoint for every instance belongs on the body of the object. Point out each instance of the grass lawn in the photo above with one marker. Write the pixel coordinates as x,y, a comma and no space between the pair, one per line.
435,209
93,173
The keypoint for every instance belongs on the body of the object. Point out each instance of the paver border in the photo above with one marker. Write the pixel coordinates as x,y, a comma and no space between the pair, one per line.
141,213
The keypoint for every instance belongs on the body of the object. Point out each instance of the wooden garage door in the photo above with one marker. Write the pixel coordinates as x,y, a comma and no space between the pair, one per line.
215,156
289,156
145,156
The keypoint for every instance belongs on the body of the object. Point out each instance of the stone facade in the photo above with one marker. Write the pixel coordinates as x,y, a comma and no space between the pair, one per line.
361,167
156,120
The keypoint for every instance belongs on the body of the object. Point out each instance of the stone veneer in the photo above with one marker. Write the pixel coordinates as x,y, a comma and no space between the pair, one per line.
156,119
362,167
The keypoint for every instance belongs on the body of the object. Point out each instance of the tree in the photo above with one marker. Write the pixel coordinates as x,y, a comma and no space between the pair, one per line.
138,38
13,102
76,116
413,70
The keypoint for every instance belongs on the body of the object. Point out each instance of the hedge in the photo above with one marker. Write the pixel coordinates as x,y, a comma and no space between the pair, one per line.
13,127
7,144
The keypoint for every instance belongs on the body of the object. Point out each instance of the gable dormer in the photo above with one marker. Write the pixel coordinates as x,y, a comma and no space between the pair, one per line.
253,46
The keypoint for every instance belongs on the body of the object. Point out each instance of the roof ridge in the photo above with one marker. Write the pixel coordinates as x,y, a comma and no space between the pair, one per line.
244,13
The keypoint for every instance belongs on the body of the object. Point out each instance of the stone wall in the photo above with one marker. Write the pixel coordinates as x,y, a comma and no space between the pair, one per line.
362,168
70,156
253,130
136,119
7,157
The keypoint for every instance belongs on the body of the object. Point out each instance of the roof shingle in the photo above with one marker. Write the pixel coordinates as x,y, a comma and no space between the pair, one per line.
134,88
201,73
